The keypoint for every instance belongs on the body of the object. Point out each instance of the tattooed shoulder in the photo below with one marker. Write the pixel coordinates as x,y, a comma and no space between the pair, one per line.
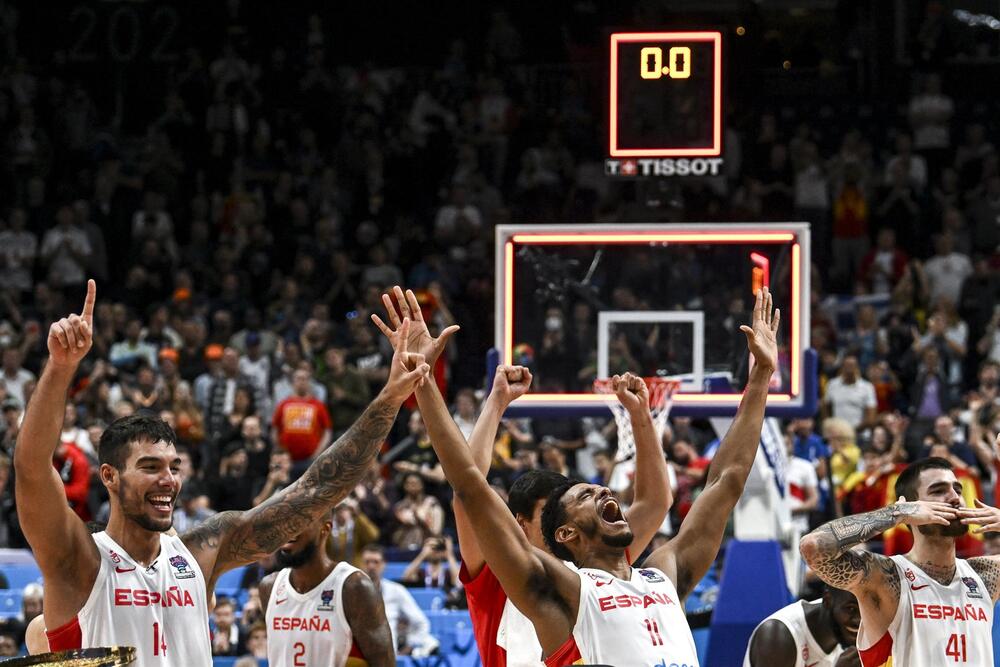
209,535
988,569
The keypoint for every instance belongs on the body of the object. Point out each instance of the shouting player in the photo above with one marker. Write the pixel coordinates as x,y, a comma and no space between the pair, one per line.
323,613
505,637
926,607
132,584
820,633
607,612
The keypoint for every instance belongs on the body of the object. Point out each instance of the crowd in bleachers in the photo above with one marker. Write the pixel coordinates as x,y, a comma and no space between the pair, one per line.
242,240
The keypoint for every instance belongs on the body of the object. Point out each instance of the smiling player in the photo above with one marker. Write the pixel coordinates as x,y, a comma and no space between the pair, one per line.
133,584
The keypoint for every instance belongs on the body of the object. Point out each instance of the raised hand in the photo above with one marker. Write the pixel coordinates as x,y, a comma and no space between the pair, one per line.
631,391
408,370
987,517
510,383
925,512
419,339
762,336
71,338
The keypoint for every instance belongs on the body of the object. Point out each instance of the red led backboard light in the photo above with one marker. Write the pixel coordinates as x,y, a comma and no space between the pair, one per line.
665,94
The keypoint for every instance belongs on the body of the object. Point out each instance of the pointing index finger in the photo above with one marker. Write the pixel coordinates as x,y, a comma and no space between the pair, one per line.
88,303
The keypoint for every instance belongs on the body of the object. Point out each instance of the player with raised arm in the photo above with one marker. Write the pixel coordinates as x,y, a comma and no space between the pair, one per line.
505,637
607,612
926,607
132,584
320,612
818,633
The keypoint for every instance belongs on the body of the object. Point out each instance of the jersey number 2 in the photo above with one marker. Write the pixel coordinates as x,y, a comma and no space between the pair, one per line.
300,652
956,648
654,632
159,641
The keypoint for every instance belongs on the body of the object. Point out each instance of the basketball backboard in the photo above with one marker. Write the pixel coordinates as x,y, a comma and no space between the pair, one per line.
578,302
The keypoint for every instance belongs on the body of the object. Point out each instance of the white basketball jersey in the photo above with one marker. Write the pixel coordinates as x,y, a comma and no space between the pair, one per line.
309,628
161,610
935,625
636,622
807,652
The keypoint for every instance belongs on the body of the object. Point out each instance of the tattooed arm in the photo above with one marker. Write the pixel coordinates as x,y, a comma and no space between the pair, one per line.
365,615
988,569
872,578
230,539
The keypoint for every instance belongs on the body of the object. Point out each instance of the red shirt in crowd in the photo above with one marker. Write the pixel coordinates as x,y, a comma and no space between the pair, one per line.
300,423
74,470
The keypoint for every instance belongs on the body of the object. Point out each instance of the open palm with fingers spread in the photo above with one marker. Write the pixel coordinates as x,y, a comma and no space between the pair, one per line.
762,336
419,338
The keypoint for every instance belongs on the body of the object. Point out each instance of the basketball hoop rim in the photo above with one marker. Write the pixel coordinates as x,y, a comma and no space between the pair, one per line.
660,388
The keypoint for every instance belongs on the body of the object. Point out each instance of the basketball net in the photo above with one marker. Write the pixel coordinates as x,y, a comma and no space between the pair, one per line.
661,392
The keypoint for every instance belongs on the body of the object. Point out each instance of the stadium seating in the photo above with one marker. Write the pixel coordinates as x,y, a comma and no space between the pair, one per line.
394,570
19,576
229,584
10,604
428,599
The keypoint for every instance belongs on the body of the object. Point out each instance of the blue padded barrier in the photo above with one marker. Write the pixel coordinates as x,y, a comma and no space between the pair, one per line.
753,587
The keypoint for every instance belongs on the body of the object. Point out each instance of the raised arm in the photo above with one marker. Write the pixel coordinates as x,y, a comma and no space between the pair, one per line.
509,382
688,556
544,589
230,539
66,554
365,614
872,578
653,496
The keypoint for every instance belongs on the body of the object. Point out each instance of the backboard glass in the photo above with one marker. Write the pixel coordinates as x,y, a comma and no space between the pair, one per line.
578,302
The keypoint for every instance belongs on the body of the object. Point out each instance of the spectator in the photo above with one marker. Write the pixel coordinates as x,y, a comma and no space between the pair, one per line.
803,486
352,531
66,251
930,113
418,515
190,423
226,635
931,394
204,382
76,436
946,270
850,225
465,411
15,376
225,400
74,471
301,422
958,452
850,397
435,566
883,266
347,391
279,476
128,354
840,434
410,628
18,249
414,454
233,488
690,468
256,641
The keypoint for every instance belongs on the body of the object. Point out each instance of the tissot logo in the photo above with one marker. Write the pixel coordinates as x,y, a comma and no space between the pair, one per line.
664,167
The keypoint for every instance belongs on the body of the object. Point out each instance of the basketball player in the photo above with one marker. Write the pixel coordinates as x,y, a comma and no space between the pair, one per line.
926,607
607,612
505,637
323,613
820,633
131,584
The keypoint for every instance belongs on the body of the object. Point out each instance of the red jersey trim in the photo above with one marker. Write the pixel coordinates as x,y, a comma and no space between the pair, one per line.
486,600
879,654
66,637
567,654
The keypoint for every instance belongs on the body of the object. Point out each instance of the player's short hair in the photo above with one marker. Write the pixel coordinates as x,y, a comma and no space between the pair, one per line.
554,515
119,436
908,482
531,487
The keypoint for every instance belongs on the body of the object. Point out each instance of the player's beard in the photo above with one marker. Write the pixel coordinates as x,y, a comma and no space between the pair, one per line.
954,529
294,559
141,518
617,540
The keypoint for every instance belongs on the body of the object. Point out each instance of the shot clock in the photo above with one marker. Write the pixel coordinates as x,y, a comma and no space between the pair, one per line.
665,101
